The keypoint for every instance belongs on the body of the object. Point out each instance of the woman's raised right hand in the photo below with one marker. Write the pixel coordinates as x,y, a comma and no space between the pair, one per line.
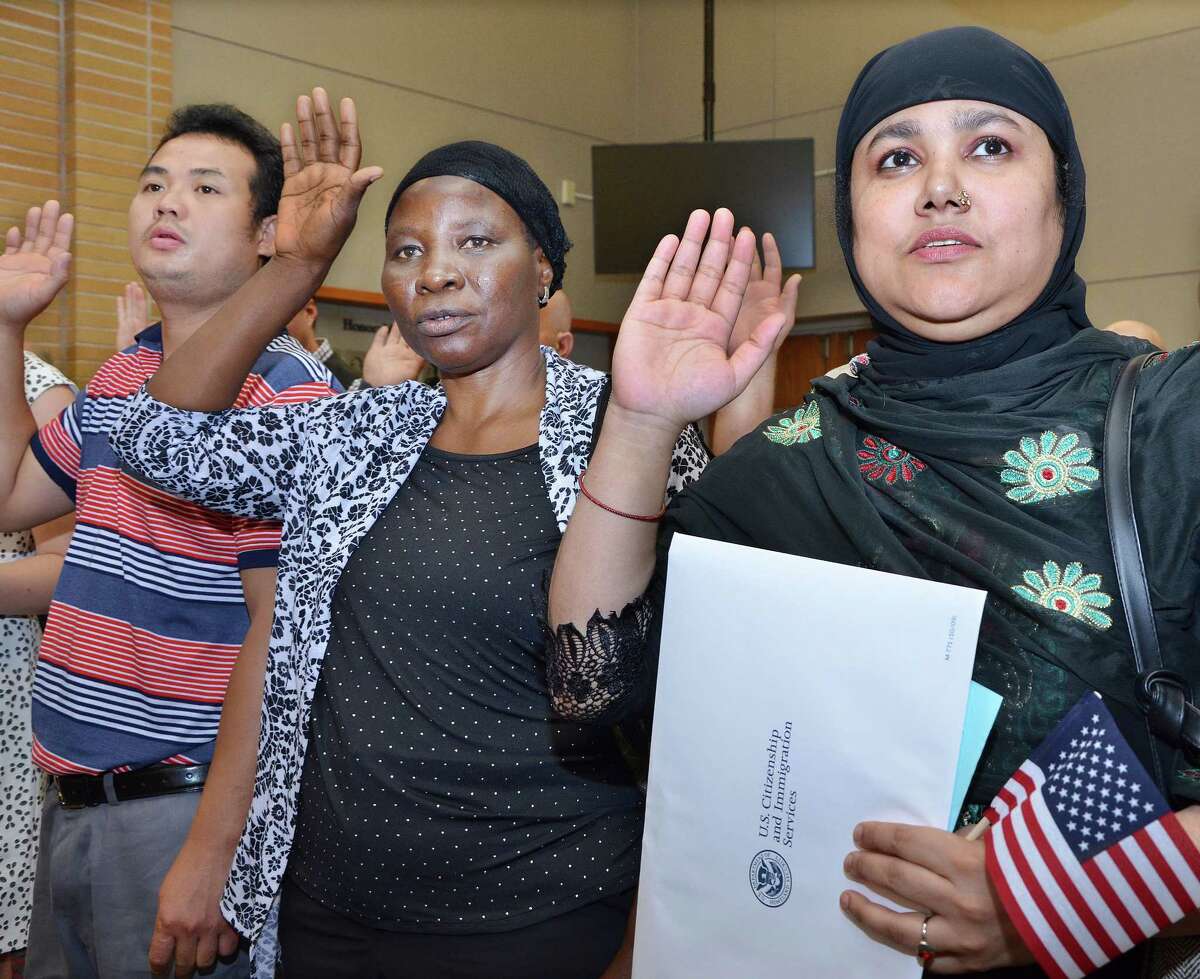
671,364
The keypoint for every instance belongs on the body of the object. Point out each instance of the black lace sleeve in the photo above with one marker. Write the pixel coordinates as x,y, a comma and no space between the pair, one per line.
602,675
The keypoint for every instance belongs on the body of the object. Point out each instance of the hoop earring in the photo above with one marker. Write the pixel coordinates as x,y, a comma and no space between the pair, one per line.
544,298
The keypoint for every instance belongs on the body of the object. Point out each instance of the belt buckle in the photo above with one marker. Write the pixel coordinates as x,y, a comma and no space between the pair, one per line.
63,802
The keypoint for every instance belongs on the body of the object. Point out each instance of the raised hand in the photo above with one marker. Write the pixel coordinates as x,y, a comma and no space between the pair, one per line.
673,362
322,185
765,296
131,315
35,265
390,360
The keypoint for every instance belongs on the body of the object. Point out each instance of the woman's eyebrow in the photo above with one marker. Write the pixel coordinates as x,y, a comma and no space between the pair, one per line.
900,129
968,120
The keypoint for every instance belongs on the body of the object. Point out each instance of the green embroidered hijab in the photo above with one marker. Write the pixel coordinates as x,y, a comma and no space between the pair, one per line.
986,475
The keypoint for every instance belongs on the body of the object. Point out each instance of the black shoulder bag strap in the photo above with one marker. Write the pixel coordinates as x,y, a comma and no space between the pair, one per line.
1164,696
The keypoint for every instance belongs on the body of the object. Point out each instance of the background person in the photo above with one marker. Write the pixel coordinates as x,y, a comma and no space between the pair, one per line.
388,360
30,563
554,325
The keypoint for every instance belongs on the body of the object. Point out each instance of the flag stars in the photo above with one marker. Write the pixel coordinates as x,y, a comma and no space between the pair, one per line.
1122,768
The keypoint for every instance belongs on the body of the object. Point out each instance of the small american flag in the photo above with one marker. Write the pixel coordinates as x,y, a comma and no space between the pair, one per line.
1087,857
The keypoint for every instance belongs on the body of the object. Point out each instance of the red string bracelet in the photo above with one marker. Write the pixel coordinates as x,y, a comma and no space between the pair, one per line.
654,518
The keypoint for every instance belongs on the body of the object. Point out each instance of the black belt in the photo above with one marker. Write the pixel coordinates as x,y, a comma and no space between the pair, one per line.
81,791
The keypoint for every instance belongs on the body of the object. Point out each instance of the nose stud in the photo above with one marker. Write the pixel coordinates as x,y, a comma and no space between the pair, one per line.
963,200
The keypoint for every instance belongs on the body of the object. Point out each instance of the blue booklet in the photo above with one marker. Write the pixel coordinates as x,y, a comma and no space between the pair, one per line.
982,707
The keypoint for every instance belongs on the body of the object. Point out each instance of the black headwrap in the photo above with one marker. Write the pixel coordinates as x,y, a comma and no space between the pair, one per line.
981,463
508,176
968,63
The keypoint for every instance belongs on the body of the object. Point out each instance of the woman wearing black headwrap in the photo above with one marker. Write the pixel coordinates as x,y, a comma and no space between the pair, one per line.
964,449
420,808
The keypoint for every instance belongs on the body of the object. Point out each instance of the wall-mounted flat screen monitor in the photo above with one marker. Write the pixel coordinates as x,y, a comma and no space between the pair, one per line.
643,192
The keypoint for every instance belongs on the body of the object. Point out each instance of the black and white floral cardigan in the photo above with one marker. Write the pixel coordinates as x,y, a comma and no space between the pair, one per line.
327,469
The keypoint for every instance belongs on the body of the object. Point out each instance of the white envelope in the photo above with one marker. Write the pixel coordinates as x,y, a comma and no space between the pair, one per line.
796,698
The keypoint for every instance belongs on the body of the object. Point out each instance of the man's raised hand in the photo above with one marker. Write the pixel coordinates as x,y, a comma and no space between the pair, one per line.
35,265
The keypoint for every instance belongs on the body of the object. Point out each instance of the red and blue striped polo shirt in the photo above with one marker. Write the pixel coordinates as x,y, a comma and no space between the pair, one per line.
148,615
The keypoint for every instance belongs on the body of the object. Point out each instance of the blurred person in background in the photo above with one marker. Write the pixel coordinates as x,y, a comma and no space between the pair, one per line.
30,563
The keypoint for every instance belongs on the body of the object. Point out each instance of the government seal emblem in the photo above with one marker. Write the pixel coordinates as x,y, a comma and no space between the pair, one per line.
770,878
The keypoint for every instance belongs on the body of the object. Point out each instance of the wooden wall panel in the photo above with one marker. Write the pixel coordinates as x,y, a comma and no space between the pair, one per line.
88,85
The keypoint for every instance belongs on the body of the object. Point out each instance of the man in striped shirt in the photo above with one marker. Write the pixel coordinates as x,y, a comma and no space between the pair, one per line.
157,596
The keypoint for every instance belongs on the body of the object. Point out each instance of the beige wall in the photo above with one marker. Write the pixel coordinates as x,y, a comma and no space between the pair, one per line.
88,84
548,79
1130,70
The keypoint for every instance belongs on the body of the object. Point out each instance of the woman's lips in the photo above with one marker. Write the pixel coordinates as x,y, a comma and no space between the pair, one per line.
443,324
944,253
943,245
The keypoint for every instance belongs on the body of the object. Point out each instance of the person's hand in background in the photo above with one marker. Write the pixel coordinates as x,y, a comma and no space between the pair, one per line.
132,314
390,360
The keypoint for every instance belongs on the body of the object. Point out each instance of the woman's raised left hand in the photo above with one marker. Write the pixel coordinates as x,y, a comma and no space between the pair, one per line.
323,184
930,871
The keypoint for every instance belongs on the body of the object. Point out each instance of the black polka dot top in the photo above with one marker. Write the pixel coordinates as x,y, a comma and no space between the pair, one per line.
438,794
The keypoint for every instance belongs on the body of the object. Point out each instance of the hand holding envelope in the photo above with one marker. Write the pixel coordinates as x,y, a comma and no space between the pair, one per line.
794,701
942,877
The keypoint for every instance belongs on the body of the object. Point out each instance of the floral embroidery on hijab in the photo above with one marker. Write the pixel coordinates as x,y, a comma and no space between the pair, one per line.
1068,591
858,362
1049,466
804,426
882,460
